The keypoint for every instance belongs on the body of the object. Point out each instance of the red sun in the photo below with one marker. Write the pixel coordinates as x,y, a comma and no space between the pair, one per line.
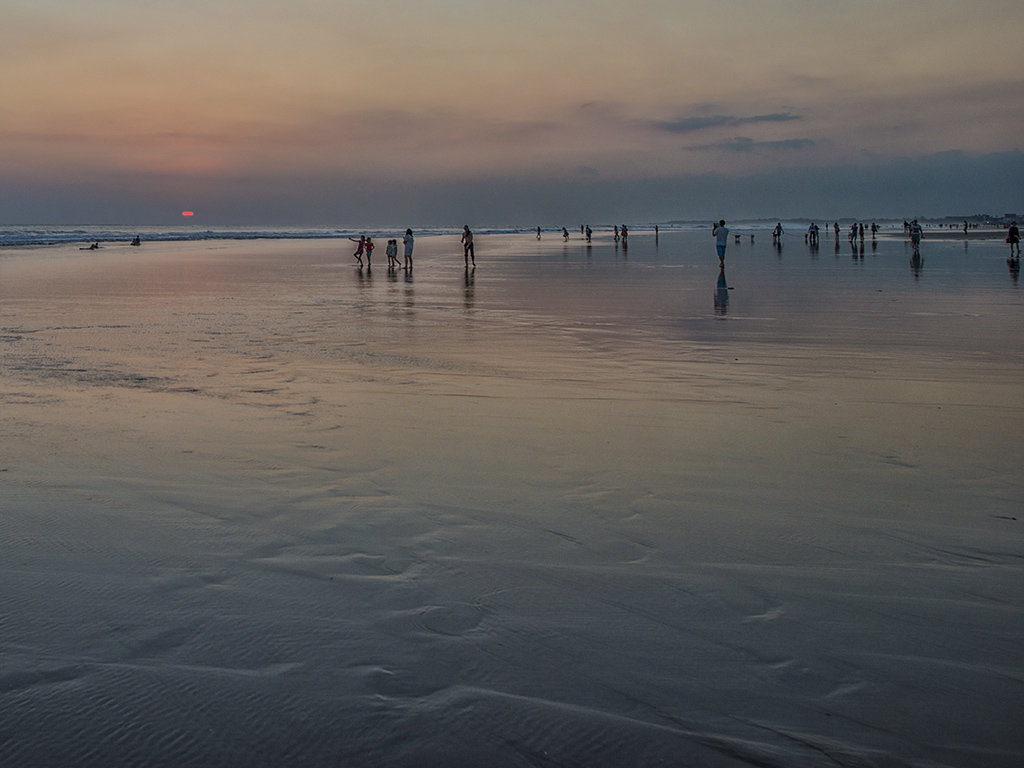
187,213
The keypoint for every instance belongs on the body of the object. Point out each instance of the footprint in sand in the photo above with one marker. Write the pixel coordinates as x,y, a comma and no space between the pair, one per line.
455,619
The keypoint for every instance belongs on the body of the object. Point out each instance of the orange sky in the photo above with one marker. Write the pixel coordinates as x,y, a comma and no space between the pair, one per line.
449,89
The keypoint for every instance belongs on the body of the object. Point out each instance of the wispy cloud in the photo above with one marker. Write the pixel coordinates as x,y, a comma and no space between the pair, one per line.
745,144
699,123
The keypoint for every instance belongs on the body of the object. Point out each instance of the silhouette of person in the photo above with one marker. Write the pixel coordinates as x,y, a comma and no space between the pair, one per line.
1013,238
467,245
915,234
360,247
409,242
721,234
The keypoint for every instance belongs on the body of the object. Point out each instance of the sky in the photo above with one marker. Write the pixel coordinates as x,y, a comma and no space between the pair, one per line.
510,112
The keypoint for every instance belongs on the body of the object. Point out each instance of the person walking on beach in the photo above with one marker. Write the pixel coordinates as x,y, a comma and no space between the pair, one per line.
368,249
538,233
392,252
467,246
408,241
565,235
721,234
1013,238
589,233
915,235
778,232
359,248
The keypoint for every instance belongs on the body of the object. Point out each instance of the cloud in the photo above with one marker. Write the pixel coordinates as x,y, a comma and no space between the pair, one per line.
690,124
745,144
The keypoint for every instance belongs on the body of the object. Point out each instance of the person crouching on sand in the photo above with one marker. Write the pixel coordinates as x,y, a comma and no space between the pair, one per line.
721,235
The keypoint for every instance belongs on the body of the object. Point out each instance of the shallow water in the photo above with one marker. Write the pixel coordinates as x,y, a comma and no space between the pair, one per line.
262,508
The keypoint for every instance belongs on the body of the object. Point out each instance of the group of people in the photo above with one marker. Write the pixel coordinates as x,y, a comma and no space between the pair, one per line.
585,230
365,246
721,234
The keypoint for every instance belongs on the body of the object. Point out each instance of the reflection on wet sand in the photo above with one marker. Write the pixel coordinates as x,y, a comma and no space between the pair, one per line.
586,523
916,263
468,294
721,293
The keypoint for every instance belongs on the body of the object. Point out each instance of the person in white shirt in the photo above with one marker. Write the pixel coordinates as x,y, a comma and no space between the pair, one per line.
721,235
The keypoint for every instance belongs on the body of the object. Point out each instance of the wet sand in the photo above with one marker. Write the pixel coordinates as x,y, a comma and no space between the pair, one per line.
261,508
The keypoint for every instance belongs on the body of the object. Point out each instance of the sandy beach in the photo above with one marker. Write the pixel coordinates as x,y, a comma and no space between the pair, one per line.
582,506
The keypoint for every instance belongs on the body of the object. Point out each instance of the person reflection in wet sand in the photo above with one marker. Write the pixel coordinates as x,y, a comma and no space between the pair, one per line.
1014,266
721,293
468,298
916,263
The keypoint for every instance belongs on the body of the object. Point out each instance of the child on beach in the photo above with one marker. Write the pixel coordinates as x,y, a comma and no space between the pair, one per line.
359,248
408,241
368,248
392,252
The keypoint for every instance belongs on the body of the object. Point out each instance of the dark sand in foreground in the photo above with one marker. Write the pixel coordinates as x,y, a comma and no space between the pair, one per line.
263,509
